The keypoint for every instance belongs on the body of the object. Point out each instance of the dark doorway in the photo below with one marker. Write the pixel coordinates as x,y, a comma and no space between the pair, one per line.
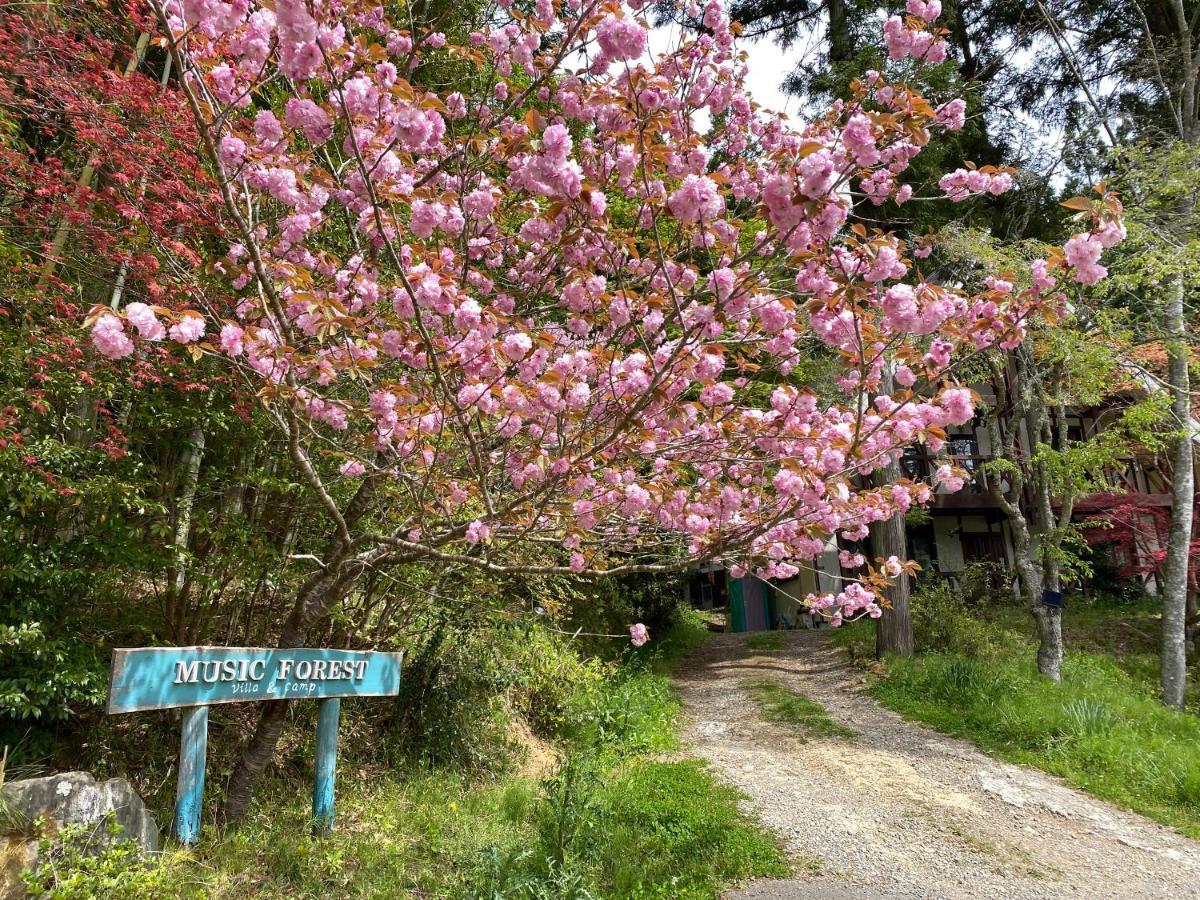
982,548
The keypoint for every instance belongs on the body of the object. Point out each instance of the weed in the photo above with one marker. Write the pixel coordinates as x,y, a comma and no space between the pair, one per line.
781,704
765,641
83,862
1089,716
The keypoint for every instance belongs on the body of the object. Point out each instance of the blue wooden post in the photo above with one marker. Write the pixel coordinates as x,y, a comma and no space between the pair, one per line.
323,787
189,791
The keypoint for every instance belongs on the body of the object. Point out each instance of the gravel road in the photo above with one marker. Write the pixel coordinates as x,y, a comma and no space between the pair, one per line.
902,812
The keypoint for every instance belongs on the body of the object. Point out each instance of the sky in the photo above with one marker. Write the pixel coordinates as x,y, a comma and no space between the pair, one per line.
767,67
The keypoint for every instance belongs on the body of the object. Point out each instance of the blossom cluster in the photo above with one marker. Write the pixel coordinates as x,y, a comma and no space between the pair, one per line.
555,306
1083,251
922,44
961,184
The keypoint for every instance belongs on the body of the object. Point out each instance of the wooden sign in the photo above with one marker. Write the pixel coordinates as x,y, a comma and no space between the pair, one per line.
196,677
166,677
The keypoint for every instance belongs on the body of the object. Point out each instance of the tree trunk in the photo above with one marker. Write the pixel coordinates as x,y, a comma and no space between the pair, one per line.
177,573
315,598
1050,642
1027,406
841,44
1174,615
314,601
1048,620
893,630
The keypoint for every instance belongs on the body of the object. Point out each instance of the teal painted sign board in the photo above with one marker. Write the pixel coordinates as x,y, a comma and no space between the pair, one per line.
194,678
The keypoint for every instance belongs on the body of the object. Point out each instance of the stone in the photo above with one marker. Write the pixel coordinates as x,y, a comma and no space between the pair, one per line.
70,798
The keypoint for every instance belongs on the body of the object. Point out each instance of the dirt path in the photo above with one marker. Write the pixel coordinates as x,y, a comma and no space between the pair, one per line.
904,812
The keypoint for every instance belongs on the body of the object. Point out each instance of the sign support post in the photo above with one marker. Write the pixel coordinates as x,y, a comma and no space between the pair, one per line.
189,792
328,712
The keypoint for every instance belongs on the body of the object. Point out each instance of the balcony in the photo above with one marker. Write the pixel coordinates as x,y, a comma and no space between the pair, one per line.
918,466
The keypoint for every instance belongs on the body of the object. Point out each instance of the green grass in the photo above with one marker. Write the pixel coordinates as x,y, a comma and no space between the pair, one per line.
1102,729
780,704
670,827
613,820
765,641
393,837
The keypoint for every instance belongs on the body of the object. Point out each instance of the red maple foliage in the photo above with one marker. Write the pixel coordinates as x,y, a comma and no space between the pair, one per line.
104,198
77,92
1137,525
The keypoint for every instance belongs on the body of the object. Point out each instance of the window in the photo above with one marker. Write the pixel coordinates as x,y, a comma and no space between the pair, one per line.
965,450
912,463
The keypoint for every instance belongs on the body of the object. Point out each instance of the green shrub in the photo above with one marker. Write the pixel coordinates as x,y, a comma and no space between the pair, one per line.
548,678
635,713
44,677
600,608
82,864
986,584
453,708
942,619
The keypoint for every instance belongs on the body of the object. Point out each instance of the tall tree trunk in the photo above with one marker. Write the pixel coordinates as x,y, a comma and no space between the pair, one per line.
1179,536
1050,640
893,630
1026,404
1048,618
177,573
315,598
841,43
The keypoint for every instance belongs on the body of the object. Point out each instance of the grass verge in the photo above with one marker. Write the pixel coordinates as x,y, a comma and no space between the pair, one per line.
1102,729
765,641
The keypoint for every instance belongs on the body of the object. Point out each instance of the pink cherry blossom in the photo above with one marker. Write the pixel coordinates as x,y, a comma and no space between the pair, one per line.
620,38
188,329
547,327
477,532
231,339
233,150
952,114
142,317
108,336
1083,254
697,198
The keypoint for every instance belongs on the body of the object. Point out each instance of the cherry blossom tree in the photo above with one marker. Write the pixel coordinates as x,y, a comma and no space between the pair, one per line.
523,296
